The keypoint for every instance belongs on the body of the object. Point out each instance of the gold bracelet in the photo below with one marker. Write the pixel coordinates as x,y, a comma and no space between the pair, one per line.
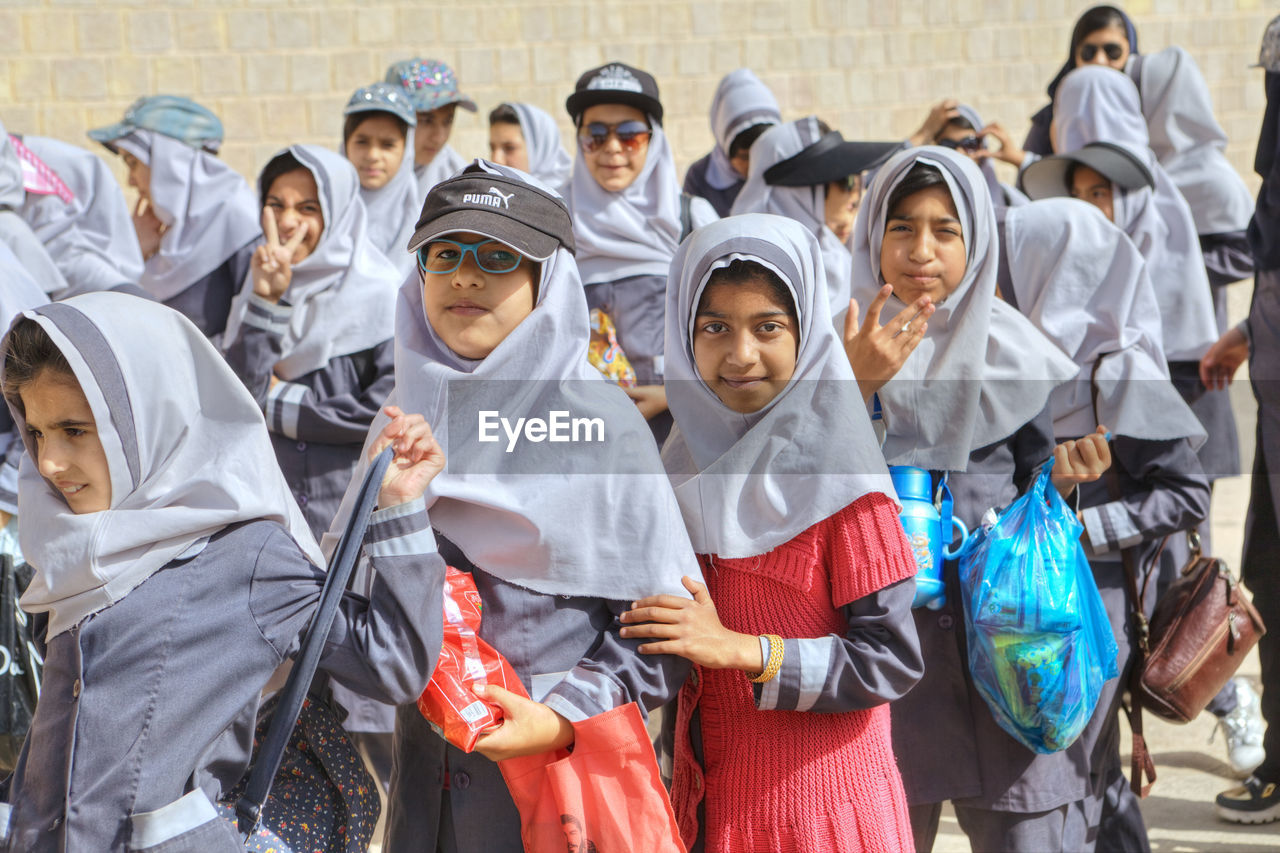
775,659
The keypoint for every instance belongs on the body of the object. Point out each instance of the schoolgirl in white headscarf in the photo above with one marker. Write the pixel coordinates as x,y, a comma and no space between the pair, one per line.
378,128
788,501
196,217
90,238
742,108
970,405
561,535
1085,285
310,332
162,536
527,138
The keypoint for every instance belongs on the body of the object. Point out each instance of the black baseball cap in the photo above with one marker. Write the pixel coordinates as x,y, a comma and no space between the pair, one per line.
831,158
526,218
1047,177
615,83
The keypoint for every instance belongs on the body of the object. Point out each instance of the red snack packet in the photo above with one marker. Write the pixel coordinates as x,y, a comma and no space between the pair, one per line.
449,704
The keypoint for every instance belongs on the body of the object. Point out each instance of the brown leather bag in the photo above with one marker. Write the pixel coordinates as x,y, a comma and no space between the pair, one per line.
1202,628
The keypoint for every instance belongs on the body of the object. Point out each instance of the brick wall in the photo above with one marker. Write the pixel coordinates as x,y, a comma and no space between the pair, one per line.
279,71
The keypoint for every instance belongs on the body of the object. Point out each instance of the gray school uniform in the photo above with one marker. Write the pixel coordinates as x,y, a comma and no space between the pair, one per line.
1163,492
207,301
156,696
318,421
567,653
948,745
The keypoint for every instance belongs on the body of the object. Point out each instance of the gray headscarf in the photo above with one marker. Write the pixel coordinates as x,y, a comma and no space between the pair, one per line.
631,232
982,370
14,230
343,293
91,238
741,102
1189,142
548,161
179,474
208,210
1098,104
748,483
1083,283
806,205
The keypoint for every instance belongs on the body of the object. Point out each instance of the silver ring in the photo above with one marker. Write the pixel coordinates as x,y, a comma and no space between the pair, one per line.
904,328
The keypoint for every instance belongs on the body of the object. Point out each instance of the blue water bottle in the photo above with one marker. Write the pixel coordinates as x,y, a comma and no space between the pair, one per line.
925,523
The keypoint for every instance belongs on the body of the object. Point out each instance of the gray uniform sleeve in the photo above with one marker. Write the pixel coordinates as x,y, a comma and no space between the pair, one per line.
615,673
1227,257
877,660
1172,494
335,408
384,646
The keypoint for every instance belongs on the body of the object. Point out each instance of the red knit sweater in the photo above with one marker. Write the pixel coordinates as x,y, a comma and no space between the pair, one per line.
789,781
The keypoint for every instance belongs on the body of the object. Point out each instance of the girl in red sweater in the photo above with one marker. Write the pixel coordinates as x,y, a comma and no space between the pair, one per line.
807,608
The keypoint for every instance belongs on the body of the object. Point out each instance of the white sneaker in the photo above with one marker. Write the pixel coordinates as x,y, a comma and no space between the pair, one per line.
1243,729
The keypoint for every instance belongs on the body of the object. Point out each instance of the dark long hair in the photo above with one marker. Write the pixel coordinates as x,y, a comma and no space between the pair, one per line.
28,352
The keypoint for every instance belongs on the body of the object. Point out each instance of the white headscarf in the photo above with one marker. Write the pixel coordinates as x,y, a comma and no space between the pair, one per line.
19,291
748,483
548,161
393,208
1096,104
343,293
445,164
91,238
632,232
208,209
982,371
186,446
741,102
1083,283
1189,142
806,205
595,518
14,230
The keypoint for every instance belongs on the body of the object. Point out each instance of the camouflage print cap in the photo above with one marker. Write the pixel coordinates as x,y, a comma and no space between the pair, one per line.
1269,55
382,97
181,118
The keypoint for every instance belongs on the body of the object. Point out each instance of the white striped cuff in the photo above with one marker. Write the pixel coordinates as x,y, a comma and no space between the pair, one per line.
1110,527
266,315
284,406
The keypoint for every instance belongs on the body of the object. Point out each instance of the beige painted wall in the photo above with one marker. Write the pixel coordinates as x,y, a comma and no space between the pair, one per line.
279,71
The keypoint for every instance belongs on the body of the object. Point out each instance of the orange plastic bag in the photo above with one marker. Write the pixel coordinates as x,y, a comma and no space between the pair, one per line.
449,704
602,797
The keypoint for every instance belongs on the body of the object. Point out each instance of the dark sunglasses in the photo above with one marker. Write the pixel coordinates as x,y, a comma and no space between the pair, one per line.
630,135
969,143
1113,50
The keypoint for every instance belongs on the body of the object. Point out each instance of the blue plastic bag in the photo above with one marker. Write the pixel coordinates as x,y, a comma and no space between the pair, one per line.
1040,643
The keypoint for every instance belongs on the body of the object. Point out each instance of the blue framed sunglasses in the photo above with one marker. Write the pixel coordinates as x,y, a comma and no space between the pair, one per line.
441,257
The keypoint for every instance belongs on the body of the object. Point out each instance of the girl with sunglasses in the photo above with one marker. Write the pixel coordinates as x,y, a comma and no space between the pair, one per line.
1103,35
629,216
959,127
310,332
496,320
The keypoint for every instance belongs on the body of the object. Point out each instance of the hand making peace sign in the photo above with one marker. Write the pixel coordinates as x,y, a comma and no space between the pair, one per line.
877,352
273,261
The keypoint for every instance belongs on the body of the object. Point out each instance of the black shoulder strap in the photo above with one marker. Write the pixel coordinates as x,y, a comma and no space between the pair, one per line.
258,788
686,215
